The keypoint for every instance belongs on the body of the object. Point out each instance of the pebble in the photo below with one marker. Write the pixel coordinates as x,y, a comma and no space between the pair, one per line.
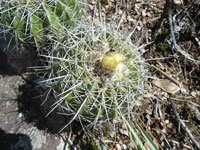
20,115
149,14
138,28
177,2
93,2
198,115
91,7
124,132
198,93
166,121
194,94
144,13
183,91
120,12
162,144
103,9
170,125
124,146
118,147
130,19
164,130
107,6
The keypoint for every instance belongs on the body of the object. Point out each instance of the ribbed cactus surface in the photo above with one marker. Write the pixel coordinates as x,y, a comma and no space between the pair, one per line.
95,73
35,20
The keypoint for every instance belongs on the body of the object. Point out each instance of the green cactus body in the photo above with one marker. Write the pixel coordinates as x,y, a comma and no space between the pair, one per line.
36,28
101,74
30,19
19,25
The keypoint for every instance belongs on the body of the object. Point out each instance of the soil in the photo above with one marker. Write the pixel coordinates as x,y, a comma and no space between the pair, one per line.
25,126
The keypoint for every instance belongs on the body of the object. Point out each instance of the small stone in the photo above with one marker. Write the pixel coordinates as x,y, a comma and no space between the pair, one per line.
130,19
170,125
20,115
144,13
148,14
166,121
161,138
177,2
124,132
118,147
91,7
194,94
103,9
138,28
107,6
198,93
124,146
120,12
198,115
162,93
103,14
183,91
93,2
167,86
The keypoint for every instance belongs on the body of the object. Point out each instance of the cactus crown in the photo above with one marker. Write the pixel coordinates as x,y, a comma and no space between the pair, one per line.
96,72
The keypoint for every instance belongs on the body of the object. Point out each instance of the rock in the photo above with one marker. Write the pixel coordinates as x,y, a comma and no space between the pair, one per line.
170,125
124,132
19,128
130,19
149,14
138,28
93,2
144,13
107,7
183,91
194,94
120,12
118,147
177,2
166,121
124,147
167,86
91,7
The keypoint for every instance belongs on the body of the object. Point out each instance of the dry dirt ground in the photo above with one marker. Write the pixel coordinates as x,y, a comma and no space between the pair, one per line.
23,125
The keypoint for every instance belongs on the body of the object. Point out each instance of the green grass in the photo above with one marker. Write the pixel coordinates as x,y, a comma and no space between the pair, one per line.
136,141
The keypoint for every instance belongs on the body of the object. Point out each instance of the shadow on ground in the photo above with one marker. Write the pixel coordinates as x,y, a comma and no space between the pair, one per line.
14,66
22,113
14,141
29,104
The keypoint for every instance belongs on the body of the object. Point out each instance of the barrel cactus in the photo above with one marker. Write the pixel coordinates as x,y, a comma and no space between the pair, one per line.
95,73
34,21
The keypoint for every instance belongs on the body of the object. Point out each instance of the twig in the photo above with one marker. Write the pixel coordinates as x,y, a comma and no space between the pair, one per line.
188,56
149,132
166,140
184,125
131,138
184,145
195,104
67,142
168,76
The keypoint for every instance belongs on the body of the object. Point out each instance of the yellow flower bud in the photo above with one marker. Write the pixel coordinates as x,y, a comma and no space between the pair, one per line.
111,60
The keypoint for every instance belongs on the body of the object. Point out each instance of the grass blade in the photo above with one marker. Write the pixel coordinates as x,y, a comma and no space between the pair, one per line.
134,135
147,138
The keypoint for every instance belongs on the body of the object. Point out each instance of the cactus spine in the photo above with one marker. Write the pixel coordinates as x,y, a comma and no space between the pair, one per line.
95,73
35,21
